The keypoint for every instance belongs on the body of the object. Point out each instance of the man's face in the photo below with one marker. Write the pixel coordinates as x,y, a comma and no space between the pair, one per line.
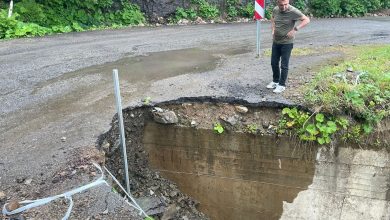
283,5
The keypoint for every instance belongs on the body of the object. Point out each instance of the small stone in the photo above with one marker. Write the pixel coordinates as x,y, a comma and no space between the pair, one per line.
2,196
265,124
350,69
63,139
12,206
28,181
173,194
232,120
193,123
169,213
151,192
105,212
132,115
157,109
168,117
241,109
20,179
263,99
106,145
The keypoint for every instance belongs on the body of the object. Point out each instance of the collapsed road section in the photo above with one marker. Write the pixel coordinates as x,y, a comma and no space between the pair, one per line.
223,159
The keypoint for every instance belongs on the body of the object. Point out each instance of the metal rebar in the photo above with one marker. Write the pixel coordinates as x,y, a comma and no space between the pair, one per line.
121,127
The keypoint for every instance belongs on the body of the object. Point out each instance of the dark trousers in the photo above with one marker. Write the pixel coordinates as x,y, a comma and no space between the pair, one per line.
280,51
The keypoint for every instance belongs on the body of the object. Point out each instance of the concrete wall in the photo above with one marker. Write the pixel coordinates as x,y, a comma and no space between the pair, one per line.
351,186
234,175
240,176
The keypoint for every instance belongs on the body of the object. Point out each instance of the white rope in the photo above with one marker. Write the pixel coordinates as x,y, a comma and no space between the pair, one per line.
68,195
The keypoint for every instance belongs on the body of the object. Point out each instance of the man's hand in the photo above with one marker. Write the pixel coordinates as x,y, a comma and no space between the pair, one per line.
291,33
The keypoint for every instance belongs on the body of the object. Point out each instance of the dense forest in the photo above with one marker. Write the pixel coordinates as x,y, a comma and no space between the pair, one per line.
42,17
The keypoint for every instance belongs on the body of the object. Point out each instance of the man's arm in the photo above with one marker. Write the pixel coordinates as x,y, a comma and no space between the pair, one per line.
304,21
273,25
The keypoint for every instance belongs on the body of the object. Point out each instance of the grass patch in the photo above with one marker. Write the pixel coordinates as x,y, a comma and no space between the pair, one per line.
350,98
306,51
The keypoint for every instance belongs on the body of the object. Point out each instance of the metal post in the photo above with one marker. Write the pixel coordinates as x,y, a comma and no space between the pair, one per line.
11,7
258,38
121,126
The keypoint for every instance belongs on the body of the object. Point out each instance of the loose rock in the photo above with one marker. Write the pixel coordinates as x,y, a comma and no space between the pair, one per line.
12,206
169,213
241,109
168,117
2,196
28,181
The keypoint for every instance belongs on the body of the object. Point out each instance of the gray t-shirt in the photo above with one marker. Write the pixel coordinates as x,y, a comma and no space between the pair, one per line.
285,22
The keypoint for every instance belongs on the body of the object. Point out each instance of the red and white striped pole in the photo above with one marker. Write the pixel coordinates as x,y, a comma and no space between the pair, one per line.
259,14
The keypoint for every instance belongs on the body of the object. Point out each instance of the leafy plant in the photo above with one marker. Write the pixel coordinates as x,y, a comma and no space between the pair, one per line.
319,129
147,100
300,4
181,13
131,14
353,7
363,94
248,10
30,12
232,8
218,128
208,11
252,128
323,8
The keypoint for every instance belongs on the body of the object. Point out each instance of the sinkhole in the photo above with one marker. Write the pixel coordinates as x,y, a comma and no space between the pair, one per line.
181,166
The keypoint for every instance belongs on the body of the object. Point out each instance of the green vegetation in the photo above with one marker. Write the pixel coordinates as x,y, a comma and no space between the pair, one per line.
357,91
218,128
199,8
147,100
252,128
302,51
320,8
38,17
207,11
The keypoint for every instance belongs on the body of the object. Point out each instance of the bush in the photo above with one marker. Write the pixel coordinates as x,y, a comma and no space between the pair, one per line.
30,11
301,5
373,5
131,14
232,8
207,11
353,7
181,13
248,11
321,8
6,24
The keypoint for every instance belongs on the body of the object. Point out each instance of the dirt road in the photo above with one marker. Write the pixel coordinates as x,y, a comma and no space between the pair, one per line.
56,92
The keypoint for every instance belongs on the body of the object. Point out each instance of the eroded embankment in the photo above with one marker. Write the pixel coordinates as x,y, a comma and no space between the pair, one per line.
245,172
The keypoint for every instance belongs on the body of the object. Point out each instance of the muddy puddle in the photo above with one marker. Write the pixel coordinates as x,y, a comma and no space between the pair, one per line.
155,66
233,176
91,88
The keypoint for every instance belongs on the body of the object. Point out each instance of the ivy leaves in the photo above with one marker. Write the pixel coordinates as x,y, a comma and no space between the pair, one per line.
319,129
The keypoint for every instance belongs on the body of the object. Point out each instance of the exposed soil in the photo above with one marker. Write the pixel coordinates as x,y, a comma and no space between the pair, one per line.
202,114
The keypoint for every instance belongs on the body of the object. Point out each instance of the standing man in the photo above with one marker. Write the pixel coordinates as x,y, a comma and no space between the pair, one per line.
283,21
